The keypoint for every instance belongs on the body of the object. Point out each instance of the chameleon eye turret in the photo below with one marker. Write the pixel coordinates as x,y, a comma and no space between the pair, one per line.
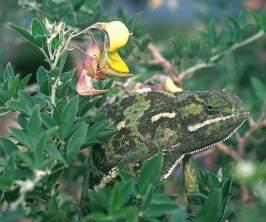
183,123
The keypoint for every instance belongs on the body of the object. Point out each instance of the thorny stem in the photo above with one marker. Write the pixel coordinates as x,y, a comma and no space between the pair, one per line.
56,57
160,60
54,86
238,154
216,57
58,54
179,77
228,151
243,140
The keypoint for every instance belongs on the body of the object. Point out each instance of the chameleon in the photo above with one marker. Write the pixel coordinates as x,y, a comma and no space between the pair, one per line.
178,124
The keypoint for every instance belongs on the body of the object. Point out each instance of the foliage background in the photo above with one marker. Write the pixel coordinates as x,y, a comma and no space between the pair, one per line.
230,182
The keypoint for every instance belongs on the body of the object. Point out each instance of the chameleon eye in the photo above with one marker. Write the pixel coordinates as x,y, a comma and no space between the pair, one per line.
210,109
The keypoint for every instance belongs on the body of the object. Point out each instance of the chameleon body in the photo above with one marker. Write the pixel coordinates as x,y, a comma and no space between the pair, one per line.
183,123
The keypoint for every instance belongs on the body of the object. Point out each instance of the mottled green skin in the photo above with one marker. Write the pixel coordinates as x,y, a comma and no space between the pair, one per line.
138,137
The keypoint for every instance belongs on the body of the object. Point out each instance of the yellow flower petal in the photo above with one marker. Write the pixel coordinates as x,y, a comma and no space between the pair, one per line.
118,34
115,62
112,72
170,86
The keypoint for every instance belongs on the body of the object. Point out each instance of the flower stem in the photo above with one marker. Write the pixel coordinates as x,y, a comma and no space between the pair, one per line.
53,94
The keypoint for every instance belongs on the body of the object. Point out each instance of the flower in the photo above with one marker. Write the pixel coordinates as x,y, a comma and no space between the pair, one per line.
85,86
91,61
170,86
117,34
112,64
101,62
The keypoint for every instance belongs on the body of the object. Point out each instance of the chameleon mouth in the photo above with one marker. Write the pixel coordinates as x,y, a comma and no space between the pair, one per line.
223,140
200,150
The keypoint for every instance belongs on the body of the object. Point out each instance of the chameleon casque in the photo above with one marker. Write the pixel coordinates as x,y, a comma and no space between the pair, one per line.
174,124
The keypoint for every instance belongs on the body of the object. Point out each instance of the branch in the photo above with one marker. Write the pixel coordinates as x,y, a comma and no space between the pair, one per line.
254,126
167,66
216,57
243,140
178,78
228,151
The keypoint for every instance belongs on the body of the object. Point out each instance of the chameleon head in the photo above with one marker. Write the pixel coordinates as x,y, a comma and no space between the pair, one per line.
210,117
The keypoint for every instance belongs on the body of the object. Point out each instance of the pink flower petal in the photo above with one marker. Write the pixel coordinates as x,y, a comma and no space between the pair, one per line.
85,87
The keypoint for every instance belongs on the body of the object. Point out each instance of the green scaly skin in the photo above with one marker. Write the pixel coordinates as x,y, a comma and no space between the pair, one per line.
175,124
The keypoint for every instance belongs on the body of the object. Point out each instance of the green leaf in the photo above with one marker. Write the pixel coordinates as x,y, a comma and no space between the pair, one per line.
54,153
100,217
259,88
26,100
125,175
150,172
15,105
4,96
56,41
115,200
22,120
120,195
12,215
212,33
178,215
75,142
25,33
37,28
24,82
98,132
8,72
43,80
21,136
99,199
34,123
127,189
5,182
13,86
7,146
68,115
213,180
47,120
40,160
147,196
158,210
212,208
26,158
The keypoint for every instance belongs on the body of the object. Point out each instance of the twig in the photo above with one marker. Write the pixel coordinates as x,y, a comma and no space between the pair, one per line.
254,126
179,77
228,151
213,59
243,140
167,66
123,86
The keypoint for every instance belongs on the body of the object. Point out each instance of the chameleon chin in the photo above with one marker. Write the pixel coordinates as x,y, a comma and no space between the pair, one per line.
174,124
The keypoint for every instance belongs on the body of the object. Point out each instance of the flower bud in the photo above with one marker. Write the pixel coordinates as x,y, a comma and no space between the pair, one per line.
85,86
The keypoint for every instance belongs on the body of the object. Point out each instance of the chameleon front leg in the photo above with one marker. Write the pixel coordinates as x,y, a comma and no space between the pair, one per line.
189,180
